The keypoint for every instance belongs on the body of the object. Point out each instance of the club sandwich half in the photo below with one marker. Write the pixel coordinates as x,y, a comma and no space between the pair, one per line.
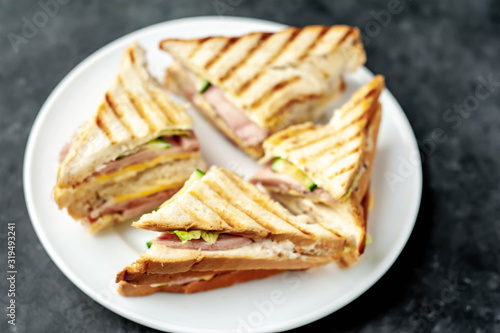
134,153
217,224
324,170
254,85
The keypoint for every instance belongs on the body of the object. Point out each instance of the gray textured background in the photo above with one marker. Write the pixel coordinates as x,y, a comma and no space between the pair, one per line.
431,54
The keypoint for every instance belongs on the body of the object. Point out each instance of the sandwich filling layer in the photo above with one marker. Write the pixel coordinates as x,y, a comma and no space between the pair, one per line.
235,245
132,207
245,129
293,184
112,176
149,155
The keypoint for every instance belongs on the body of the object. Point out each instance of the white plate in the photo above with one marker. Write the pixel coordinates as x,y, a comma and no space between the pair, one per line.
278,303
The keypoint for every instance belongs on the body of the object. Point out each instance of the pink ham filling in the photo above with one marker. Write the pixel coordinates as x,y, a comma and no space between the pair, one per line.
67,147
224,242
284,183
134,207
249,132
178,144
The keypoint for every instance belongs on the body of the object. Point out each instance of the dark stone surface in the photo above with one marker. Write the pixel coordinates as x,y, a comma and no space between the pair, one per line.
431,53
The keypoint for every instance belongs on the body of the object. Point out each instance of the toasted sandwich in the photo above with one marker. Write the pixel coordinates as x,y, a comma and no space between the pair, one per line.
252,86
218,223
134,153
324,170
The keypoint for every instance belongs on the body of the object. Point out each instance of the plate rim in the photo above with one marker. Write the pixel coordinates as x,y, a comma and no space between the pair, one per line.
305,319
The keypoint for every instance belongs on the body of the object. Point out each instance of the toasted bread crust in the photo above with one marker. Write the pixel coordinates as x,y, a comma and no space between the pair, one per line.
152,265
220,280
348,259
333,155
268,73
368,156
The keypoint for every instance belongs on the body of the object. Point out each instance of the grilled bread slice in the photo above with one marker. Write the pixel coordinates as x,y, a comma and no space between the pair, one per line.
223,203
337,157
188,283
117,161
275,79
134,111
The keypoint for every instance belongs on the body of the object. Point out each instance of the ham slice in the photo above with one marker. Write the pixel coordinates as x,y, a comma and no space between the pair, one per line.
178,144
224,242
249,132
285,183
67,147
134,207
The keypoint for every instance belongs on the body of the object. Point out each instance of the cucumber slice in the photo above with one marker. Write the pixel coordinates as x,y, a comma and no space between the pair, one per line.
158,143
353,186
195,176
202,85
283,166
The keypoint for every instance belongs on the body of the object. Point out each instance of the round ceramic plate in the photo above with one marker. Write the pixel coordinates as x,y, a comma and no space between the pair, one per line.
278,303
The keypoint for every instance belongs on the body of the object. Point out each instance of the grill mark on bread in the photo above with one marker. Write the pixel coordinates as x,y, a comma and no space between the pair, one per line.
223,194
191,212
229,43
220,212
340,157
347,47
104,127
334,146
116,110
305,142
137,105
245,86
361,121
285,46
341,171
259,198
326,135
131,54
263,37
300,99
344,38
163,108
156,104
199,46
277,87
330,230
154,96
322,33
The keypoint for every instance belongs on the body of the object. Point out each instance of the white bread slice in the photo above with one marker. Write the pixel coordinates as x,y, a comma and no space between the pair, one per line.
333,154
223,202
135,110
264,74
